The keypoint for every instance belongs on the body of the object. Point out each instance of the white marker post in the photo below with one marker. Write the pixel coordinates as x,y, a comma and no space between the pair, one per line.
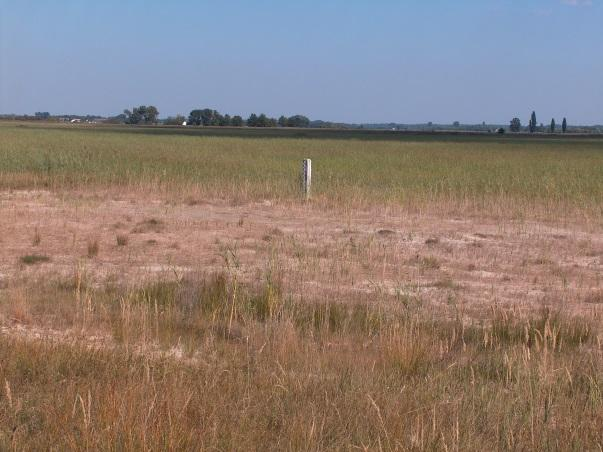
307,178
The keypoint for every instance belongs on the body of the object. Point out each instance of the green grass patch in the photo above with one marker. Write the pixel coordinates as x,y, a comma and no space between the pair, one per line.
32,259
240,165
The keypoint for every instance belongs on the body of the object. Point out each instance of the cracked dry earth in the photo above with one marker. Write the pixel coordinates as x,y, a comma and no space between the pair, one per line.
430,259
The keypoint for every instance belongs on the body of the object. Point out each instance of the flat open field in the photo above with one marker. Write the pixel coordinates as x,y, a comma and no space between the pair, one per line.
484,174
168,288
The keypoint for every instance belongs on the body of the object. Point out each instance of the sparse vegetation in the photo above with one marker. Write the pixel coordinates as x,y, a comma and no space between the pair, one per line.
150,225
594,297
32,259
37,238
92,248
429,263
191,364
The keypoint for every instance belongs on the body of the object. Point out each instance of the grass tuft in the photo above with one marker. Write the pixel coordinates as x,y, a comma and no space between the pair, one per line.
37,238
92,248
150,225
32,259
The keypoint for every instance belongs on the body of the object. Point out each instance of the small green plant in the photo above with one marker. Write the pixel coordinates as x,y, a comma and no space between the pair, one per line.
32,259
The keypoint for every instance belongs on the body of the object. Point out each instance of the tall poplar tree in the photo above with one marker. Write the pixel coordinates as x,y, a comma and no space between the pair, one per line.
533,122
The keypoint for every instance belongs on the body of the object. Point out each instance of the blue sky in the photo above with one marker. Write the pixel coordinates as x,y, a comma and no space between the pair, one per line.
355,61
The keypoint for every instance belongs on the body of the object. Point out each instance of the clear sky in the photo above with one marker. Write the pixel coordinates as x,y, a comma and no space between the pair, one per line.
341,60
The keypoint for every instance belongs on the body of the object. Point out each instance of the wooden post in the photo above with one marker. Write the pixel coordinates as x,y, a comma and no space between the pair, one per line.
307,178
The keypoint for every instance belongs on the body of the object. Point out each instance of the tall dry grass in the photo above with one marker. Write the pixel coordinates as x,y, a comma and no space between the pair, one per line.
208,363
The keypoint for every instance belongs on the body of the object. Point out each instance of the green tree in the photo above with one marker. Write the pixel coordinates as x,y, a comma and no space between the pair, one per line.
298,121
216,118
564,125
282,121
150,115
194,118
263,121
253,120
553,125
237,121
533,123
207,117
145,114
225,121
134,116
131,116
515,125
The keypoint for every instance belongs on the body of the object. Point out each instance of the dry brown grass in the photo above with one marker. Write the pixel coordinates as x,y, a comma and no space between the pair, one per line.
447,297
147,226
93,248
331,335
209,363
37,238
121,239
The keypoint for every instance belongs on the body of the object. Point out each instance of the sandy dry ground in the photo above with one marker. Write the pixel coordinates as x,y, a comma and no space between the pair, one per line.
472,263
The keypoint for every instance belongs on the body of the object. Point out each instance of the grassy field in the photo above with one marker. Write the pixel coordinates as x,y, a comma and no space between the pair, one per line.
148,301
210,364
550,176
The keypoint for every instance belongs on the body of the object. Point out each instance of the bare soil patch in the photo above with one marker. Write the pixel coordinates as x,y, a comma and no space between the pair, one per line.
468,263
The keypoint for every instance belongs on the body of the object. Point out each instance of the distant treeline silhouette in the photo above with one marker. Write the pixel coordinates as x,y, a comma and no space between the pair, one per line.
533,126
209,117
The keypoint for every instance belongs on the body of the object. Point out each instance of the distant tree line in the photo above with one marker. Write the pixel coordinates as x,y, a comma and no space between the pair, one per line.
533,126
141,115
210,117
